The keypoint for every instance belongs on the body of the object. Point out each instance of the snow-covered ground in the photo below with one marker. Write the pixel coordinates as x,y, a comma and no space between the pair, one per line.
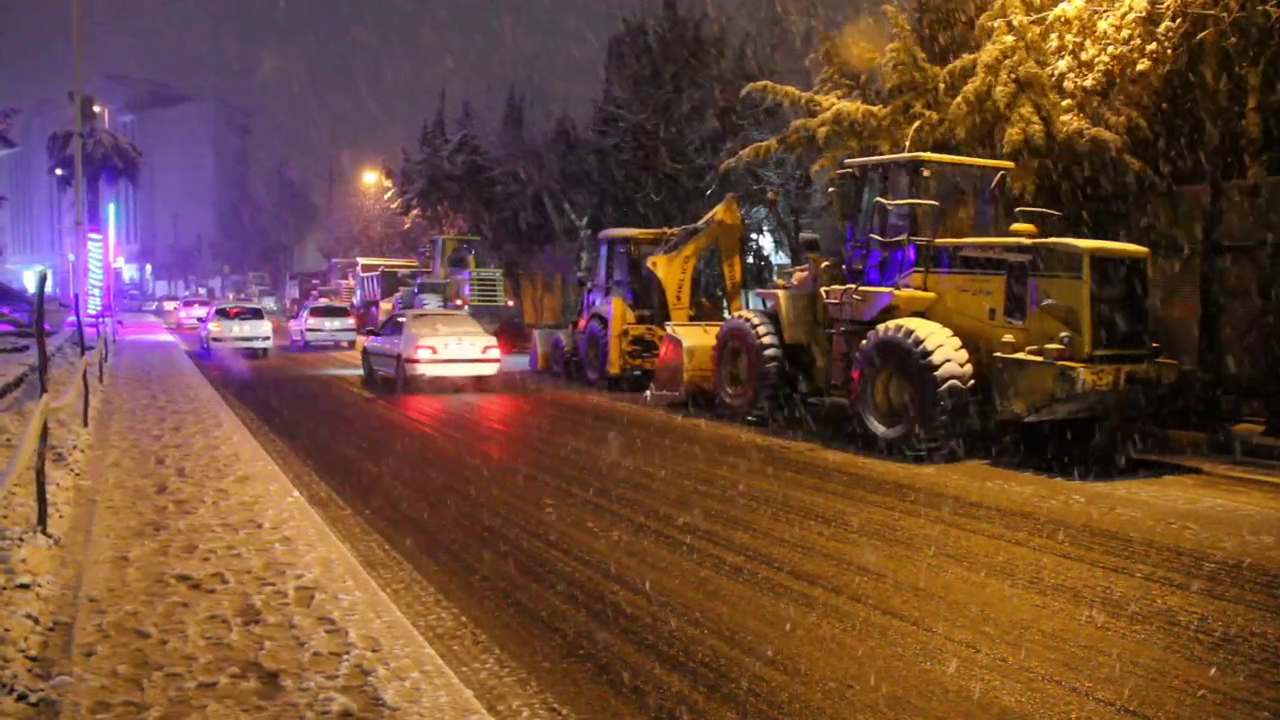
18,354
213,589
28,560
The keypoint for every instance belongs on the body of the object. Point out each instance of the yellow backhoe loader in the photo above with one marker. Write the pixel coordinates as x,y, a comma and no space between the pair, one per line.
940,316
643,286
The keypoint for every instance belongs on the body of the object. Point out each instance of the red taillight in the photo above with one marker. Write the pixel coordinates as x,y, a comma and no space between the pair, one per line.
458,302
511,303
424,352
492,350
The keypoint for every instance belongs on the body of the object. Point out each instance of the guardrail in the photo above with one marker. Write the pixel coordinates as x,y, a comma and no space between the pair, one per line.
32,447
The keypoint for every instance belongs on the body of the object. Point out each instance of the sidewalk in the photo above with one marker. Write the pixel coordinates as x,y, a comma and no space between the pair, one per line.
212,589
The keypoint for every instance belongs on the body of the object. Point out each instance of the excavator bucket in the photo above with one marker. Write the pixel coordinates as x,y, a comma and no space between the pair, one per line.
684,370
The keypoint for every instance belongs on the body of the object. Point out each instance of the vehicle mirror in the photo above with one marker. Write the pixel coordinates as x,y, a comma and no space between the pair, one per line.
369,332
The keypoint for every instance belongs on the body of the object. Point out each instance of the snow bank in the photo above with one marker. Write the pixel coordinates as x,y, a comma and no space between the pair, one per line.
213,589
28,560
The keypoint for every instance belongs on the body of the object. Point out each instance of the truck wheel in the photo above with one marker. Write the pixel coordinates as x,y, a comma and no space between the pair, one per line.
595,352
912,381
747,361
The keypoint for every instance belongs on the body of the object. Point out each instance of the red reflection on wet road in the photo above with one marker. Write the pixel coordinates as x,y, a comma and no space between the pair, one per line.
489,418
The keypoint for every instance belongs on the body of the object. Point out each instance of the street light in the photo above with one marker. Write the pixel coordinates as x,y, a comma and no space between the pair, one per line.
371,178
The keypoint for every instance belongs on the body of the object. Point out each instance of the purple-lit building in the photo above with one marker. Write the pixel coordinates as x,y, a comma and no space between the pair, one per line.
188,202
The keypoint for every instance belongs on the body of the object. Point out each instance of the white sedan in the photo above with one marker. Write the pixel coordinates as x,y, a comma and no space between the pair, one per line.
323,322
237,327
429,344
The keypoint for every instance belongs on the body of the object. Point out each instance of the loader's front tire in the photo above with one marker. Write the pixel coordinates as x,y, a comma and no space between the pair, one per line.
747,362
595,352
912,385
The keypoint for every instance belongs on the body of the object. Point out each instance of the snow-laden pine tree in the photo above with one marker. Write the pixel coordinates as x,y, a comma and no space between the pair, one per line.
878,91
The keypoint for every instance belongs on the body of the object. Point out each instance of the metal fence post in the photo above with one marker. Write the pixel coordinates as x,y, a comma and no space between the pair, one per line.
42,373
103,353
84,372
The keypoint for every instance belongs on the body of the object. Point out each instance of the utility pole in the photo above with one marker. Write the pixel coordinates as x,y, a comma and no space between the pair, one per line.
81,248
328,206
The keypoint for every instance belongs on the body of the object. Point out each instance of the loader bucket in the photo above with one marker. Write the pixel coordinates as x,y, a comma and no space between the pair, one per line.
540,349
684,370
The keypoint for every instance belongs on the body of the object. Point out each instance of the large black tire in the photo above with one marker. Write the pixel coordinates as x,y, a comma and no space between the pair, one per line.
367,374
595,352
748,364
912,384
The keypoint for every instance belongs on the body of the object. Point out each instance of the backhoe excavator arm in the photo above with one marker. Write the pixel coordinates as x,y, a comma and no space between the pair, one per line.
673,263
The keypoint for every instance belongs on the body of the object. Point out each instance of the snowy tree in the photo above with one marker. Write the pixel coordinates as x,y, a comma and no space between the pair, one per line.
420,183
879,91
668,112
295,213
7,142
1220,60
107,157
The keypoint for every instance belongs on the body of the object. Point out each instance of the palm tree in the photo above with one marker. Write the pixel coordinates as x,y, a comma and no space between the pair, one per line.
107,157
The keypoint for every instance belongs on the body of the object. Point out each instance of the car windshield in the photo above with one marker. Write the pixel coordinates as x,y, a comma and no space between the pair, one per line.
446,322
330,311
240,312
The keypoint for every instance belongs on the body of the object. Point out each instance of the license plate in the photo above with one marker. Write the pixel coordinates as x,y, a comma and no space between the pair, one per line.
455,347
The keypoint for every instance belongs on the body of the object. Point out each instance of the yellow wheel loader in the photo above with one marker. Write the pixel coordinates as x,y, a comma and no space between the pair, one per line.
454,277
940,316
643,285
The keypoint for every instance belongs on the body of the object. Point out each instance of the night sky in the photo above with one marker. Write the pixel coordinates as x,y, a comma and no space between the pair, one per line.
331,76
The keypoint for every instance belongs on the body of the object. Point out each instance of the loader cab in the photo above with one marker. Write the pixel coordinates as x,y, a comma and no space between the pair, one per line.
894,206
621,271
448,255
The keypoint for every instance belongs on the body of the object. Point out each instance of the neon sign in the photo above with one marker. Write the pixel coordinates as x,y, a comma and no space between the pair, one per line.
97,278
111,232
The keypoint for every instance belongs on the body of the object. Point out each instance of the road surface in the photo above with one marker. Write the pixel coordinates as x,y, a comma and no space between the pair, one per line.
575,554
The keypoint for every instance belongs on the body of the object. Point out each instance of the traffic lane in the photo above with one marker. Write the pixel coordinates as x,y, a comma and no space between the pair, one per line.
775,578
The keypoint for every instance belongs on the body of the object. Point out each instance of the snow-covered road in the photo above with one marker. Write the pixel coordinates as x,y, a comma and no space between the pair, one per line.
213,589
